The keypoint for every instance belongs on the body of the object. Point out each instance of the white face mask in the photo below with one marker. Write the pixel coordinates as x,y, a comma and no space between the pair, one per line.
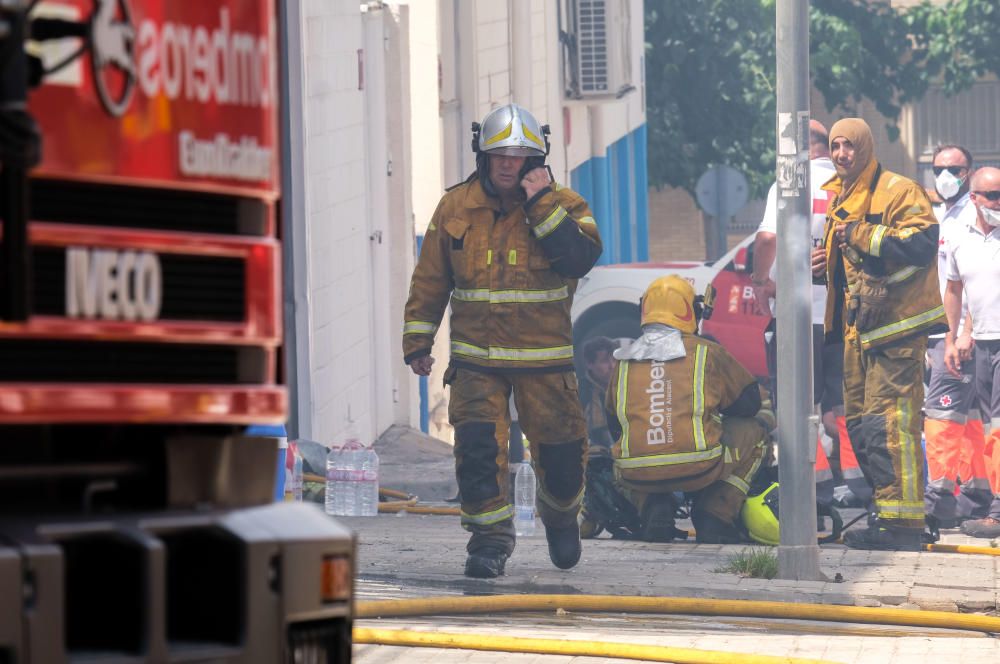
991,217
948,185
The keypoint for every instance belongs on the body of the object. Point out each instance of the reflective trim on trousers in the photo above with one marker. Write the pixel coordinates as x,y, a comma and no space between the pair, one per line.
899,509
941,484
902,326
907,452
551,223
419,327
945,415
572,506
489,518
513,354
669,459
743,483
994,424
698,395
509,296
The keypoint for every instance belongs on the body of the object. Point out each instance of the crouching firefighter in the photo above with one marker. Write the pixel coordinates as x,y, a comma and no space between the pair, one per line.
505,249
685,416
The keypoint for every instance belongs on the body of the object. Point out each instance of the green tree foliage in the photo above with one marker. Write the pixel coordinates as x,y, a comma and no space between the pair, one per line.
710,72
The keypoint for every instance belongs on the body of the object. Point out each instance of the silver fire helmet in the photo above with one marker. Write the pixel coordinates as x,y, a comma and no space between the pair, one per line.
510,130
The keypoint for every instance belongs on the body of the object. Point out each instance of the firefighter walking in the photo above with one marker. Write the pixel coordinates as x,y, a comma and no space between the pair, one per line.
878,261
505,249
682,412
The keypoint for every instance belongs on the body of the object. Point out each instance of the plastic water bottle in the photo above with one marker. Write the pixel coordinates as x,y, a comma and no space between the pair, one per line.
368,485
524,499
293,482
352,479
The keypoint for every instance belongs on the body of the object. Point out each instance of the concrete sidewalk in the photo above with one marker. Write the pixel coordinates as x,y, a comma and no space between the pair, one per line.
424,554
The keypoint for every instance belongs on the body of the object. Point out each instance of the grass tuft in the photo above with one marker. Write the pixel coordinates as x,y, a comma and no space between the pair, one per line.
755,562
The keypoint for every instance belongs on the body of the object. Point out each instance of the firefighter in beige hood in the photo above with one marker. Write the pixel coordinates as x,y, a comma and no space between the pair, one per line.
879,264
682,412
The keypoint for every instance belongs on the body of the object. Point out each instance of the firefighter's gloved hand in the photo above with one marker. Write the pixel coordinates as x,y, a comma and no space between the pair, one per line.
873,293
766,419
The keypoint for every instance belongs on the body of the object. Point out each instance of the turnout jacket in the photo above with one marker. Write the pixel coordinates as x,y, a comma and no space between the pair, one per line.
666,416
893,230
509,279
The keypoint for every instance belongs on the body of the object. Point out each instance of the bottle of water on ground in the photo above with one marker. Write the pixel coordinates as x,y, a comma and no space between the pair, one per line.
352,479
524,499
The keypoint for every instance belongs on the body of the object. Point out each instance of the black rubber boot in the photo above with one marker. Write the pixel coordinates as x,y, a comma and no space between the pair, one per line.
485,563
709,529
881,535
658,519
564,545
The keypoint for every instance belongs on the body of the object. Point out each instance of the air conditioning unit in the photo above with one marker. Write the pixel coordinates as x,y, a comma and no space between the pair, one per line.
600,49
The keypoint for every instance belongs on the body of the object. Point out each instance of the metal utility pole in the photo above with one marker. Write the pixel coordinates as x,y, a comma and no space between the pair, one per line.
798,553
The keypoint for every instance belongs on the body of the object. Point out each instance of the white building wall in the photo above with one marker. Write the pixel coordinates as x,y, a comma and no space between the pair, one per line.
477,70
335,168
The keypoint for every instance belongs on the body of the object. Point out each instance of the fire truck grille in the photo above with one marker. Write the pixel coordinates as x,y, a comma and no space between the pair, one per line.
195,288
36,360
137,207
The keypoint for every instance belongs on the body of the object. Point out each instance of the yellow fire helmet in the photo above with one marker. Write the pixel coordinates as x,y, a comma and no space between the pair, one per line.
760,516
670,300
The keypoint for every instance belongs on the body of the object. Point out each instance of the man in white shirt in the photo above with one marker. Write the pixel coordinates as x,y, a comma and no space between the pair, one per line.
952,428
974,267
828,359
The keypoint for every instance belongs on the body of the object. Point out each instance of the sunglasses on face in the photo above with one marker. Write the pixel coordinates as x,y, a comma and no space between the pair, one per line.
992,196
954,170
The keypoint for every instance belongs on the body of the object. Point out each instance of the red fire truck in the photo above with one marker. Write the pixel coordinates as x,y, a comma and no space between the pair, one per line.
140,332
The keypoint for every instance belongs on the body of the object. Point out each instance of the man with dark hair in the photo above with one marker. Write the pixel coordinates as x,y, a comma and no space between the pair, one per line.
952,428
599,362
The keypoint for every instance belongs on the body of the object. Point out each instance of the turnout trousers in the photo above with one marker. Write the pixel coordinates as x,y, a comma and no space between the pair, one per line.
551,418
722,490
883,393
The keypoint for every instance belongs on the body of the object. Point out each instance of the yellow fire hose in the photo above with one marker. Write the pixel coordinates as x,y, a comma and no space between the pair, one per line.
536,646
675,605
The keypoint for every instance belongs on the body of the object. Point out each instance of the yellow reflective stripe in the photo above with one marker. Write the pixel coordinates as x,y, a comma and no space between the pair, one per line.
550,223
419,327
512,257
489,257
875,243
743,483
697,424
513,354
622,409
669,459
531,137
907,451
903,325
903,275
588,220
489,518
510,296
899,509
572,506
504,133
